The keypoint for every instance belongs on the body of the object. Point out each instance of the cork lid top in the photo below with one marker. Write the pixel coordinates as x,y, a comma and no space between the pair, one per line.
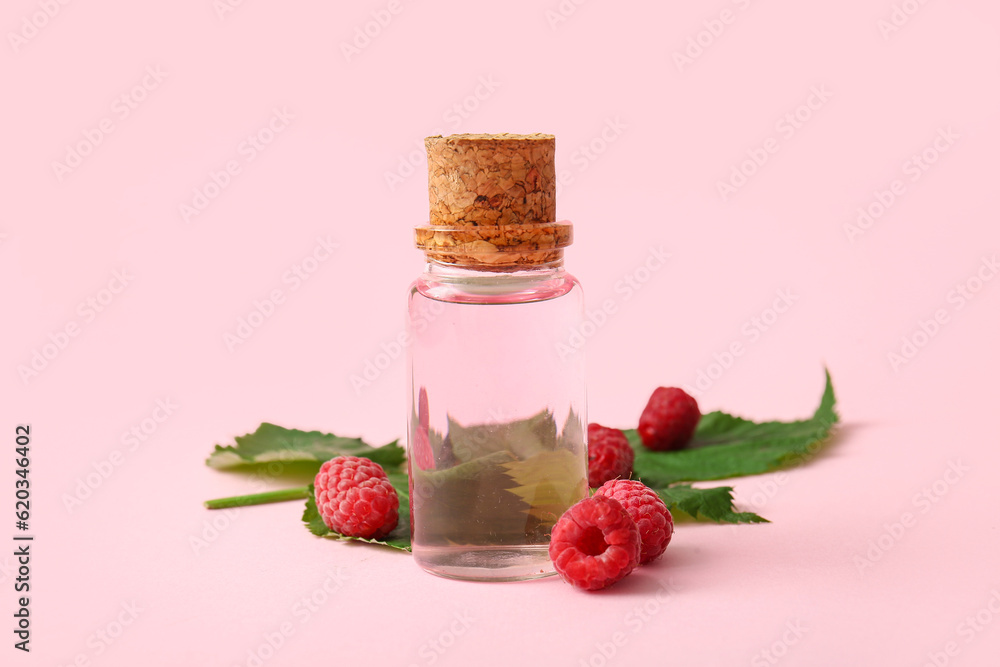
503,136
492,200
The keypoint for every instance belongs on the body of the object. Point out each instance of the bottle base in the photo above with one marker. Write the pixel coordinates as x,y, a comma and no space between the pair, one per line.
498,563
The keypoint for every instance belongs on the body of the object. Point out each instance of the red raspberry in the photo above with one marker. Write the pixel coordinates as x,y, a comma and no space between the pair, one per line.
355,498
650,514
610,456
595,543
669,420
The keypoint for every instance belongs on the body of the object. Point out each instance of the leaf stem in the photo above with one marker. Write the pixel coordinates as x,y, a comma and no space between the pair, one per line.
297,493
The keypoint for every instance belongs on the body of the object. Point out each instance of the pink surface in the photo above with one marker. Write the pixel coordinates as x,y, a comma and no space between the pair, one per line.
179,223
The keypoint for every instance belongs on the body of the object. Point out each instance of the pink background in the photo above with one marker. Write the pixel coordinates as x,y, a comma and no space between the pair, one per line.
814,587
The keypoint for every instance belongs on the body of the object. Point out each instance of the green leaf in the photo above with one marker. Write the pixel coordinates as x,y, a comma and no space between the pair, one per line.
725,446
548,483
304,449
314,522
398,538
472,503
715,504
523,438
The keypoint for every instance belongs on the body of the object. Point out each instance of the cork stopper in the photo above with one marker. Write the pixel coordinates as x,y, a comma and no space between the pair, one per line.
493,201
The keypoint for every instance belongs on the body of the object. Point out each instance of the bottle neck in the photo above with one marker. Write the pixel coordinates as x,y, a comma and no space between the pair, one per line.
450,282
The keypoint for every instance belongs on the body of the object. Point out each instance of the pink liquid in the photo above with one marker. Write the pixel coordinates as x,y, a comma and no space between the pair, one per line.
497,428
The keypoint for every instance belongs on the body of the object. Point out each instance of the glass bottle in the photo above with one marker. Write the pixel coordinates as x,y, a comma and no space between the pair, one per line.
497,415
